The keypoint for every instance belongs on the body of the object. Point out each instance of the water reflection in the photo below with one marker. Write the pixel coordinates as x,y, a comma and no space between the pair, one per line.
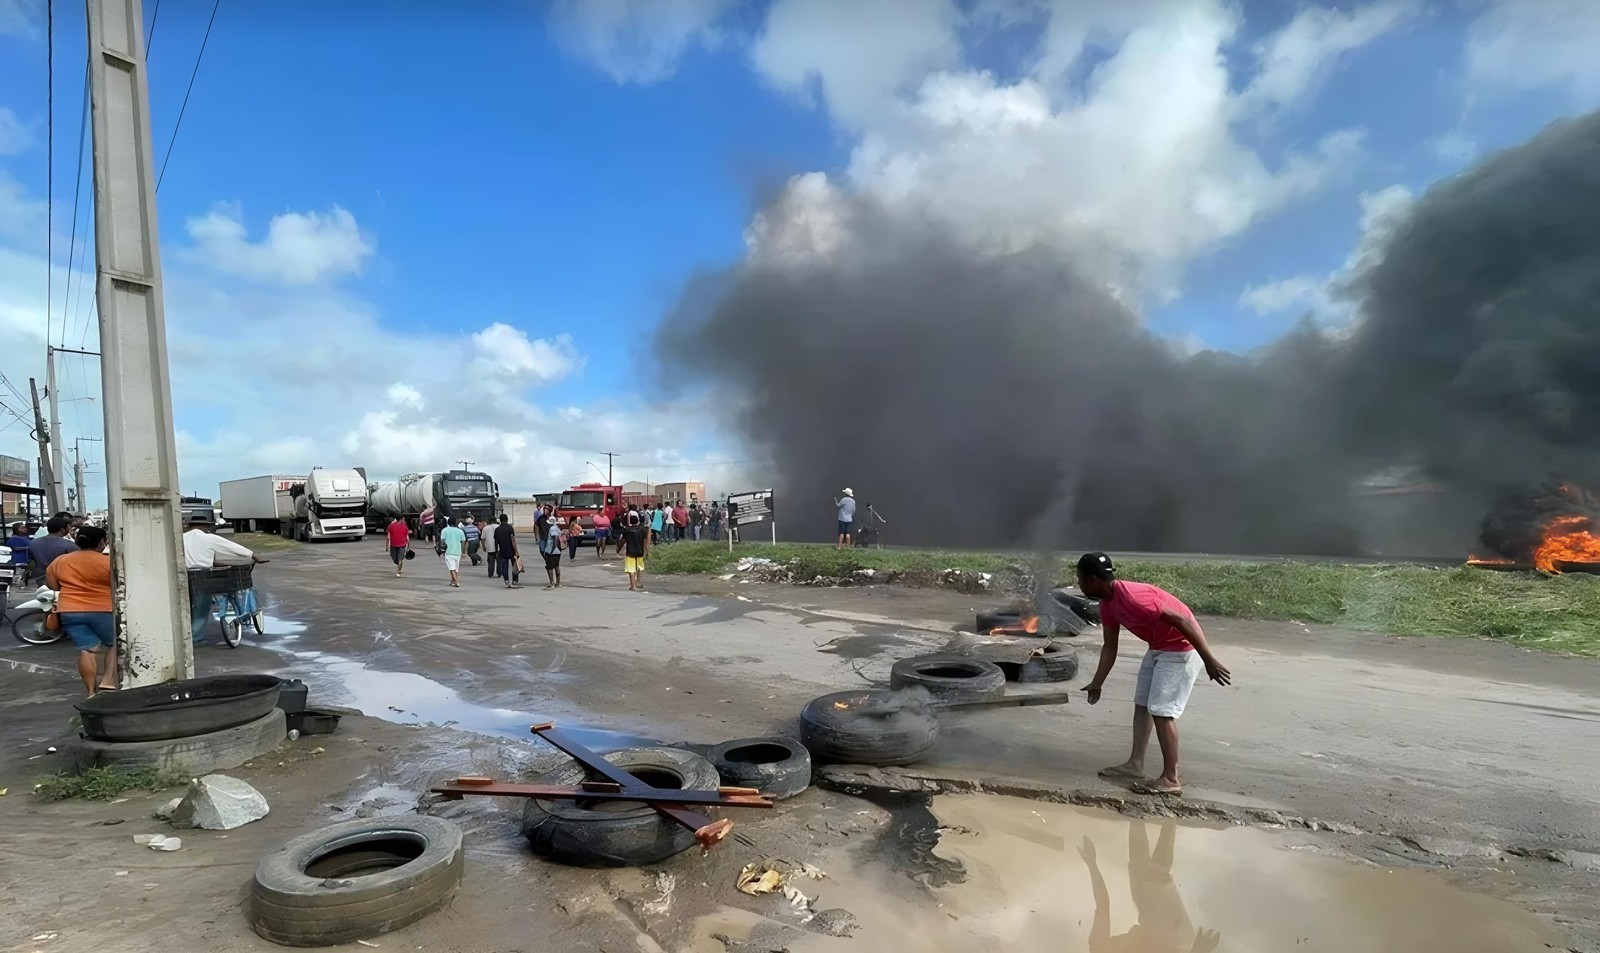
1163,924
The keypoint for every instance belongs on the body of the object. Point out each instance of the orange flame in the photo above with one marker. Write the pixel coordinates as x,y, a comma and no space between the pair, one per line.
1028,626
1569,539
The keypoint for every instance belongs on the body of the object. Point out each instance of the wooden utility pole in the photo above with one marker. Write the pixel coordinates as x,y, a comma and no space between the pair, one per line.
152,588
610,459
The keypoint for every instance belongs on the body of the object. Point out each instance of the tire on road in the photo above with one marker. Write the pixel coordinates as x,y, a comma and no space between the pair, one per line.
1055,663
779,767
617,833
1086,609
950,678
869,726
994,618
355,880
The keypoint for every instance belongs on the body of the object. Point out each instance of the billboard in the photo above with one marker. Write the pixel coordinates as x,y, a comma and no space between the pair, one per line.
15,470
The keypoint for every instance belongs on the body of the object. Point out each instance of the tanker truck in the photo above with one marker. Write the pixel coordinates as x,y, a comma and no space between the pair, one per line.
458,493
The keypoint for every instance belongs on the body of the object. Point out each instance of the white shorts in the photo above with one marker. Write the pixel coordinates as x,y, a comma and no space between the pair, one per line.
1165,681
452,563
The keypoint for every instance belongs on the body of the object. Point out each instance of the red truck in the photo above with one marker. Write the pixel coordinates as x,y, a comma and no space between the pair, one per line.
583,501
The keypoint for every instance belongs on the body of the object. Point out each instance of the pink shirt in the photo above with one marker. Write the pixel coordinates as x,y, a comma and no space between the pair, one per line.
1137,607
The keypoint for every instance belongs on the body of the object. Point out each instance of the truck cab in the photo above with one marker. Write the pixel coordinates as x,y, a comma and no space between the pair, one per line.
585,500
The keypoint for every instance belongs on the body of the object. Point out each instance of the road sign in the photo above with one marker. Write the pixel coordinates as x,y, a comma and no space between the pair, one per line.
746,508
15,470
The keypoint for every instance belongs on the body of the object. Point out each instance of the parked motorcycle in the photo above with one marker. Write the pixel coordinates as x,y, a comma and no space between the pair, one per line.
27,619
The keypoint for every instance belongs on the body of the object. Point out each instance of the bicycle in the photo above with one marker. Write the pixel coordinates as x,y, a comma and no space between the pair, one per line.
232,592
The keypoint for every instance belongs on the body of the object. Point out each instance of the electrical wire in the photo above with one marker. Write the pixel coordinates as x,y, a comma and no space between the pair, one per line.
184,108
50,168
150,35
77,190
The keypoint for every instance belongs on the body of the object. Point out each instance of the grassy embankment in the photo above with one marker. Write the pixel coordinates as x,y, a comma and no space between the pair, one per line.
264,542
1560,614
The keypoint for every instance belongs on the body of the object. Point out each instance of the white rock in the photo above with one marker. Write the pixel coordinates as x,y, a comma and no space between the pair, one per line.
217,802
165,811
158,841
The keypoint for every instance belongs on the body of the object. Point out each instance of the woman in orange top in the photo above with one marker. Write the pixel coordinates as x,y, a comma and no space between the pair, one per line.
83,580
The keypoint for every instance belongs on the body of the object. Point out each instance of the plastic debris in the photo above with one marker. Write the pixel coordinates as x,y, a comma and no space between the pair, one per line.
158,841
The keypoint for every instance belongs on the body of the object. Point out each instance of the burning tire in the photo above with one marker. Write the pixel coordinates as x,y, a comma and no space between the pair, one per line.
1055,663
779,767
355,880
871,727
1086,609
617,833
950,678
995,618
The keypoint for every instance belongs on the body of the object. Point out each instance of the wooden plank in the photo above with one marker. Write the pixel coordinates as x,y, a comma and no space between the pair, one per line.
561,792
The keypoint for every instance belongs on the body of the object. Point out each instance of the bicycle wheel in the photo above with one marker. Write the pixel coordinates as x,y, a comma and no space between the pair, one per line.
255,621
233,631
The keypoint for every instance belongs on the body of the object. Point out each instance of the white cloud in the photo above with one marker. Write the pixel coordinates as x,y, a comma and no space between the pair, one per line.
1298,57
507,350
1328,297
300,248
1145,163
404,395
22,217
1456,147
15,136
637,41
1528,44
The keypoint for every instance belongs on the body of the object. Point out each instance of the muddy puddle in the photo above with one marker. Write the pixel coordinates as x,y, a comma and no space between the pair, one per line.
1041,877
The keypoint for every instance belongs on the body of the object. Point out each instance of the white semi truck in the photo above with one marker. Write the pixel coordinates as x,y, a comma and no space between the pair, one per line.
328,503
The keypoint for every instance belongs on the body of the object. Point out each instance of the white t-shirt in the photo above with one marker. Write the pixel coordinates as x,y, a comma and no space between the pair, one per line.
203,550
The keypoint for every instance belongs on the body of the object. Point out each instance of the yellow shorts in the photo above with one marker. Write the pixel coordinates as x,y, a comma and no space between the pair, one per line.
632,564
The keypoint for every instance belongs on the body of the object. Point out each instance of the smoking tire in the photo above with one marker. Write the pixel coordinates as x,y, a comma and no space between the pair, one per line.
1055,663
617,833
779,767
950,678
355,880
1086,609
861,733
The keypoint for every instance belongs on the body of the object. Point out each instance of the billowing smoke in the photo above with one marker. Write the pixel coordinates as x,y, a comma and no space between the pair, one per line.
981,397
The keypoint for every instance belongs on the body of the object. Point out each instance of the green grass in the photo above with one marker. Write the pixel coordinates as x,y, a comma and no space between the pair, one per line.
265,542
1560,613
105,783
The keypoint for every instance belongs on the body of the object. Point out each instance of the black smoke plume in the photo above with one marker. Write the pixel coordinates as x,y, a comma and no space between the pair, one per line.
982,399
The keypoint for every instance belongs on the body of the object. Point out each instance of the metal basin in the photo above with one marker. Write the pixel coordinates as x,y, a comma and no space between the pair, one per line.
180,709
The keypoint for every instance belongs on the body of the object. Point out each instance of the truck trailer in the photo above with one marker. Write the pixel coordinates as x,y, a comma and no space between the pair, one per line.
432,498
327,504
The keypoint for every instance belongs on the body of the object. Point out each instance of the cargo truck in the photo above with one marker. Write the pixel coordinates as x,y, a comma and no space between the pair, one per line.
327,504
435,497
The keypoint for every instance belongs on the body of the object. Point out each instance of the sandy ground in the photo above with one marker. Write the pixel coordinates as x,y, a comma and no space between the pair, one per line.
1464,759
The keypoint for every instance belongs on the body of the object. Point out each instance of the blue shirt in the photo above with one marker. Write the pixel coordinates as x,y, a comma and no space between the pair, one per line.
19,549
453,539
847,510
473,533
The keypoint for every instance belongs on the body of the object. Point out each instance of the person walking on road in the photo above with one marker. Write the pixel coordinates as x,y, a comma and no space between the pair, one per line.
474,533
53,545
572,536
550,549
847,516
82,580
399,543
1177,655
505,551
20,542
454,540
636,540
486,543
602,534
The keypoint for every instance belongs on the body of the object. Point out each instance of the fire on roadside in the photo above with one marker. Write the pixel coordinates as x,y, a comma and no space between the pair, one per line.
1568,539
1028,626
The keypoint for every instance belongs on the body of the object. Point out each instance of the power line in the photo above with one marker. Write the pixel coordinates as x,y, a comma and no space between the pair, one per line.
150,36
182,109
50,168
77,190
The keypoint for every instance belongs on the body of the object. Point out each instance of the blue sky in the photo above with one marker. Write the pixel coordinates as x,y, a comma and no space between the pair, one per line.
545,176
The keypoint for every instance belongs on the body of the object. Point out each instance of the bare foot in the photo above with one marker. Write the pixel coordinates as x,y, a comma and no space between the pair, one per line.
1125,770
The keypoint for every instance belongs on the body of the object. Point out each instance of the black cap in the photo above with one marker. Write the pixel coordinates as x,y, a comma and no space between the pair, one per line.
1096,566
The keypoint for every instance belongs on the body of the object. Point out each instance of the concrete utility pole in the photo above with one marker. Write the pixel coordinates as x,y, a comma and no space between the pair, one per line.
78,468
152,594
52,487
58,466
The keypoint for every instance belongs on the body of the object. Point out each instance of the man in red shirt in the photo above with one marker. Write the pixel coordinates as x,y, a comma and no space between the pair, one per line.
399,543
1178,652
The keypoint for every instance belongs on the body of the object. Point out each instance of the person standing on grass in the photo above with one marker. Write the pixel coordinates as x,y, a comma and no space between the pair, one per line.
846,505
680,521
454,540
636,538
505,551
658,522
1177,655
602,534
399,543
83,581
550,549
486,544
